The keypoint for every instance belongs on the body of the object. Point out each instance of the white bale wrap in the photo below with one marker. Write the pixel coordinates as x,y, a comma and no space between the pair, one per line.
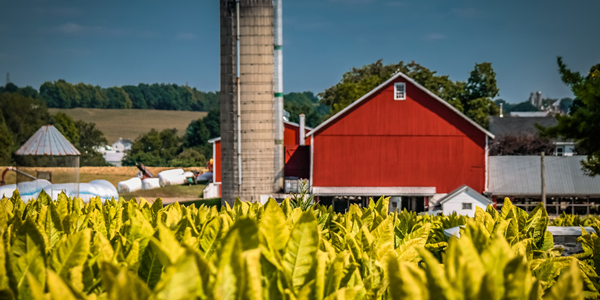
150,183
172,177
27,190
105,190
130,185
7,190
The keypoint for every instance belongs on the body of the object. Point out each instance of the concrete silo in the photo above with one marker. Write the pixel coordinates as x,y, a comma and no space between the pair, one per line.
247,100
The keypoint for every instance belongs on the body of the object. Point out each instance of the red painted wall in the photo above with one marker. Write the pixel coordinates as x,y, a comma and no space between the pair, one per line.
217,162
291,135
297,161
417,142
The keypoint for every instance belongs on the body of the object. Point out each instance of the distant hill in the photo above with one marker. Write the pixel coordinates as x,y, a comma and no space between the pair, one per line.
130,123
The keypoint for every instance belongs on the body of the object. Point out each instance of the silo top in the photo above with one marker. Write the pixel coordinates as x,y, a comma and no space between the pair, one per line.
48,141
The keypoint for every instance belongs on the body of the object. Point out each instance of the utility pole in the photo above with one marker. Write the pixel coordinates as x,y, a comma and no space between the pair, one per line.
543,167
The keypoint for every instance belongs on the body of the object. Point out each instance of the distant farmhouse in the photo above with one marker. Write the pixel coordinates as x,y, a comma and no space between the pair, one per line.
114,154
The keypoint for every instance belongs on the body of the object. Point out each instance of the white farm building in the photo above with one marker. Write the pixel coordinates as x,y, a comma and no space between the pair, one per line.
463,201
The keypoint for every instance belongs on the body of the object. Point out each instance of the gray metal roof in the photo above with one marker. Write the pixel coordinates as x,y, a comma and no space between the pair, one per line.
464,189
519,125
521,176
47,141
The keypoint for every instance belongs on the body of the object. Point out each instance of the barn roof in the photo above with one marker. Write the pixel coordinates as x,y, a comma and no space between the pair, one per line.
521,176
464,189
399,74
48,141
519,125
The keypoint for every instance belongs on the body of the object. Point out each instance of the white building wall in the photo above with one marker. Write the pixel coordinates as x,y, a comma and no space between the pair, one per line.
455,204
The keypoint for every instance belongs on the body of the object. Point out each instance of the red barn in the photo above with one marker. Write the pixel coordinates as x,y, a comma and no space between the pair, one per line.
398,140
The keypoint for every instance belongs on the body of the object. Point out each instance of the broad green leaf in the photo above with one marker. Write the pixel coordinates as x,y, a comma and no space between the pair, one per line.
271,225
208,236
59,290
180,281
27,256
413,241
301,249
406,281
70,252
568,286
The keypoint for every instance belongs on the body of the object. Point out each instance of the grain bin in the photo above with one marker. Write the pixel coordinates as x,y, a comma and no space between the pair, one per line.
247,100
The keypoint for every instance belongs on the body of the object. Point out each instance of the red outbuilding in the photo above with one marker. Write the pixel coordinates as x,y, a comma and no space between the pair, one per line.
399,140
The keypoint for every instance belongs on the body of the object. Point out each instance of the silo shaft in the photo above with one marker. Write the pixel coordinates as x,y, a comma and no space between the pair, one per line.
247,102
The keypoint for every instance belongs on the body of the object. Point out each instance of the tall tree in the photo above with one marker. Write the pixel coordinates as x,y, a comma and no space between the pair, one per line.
6,143
90,140
23,116
481,87
66,126
583,125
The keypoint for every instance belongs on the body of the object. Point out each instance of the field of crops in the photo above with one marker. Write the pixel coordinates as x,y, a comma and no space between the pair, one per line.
130,123
67,249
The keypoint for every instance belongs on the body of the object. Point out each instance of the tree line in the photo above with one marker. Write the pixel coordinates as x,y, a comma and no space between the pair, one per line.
62,94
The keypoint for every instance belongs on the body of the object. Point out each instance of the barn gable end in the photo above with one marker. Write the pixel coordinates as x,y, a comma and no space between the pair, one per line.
421,141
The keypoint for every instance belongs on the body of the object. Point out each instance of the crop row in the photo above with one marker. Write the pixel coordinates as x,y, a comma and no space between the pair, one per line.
67,249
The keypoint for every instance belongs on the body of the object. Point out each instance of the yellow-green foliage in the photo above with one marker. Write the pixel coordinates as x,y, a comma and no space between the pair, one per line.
67,249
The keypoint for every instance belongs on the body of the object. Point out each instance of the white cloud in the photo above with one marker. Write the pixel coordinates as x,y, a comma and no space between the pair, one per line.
186,36
71,28
434,37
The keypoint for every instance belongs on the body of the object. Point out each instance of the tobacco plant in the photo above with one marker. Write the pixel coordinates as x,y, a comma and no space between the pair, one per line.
67,249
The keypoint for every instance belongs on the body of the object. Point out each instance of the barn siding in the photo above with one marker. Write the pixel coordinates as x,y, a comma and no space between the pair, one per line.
217,161
413,142
291,135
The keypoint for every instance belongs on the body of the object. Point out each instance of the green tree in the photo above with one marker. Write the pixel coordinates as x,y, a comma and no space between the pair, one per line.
480,88
23,116
6,143
188,158
66,126
583,125
154,149
91,140
117,98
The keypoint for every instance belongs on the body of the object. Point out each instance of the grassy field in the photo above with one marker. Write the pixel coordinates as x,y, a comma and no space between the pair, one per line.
130,123
174,192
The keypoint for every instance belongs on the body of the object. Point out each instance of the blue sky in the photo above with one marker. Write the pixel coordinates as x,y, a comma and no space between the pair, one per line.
111,42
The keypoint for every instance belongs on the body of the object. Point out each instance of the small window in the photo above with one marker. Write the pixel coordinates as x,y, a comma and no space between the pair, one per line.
399,91
559,151
467,206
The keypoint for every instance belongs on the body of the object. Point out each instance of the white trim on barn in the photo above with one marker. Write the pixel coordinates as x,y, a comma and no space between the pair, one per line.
312,157
454,202
372,191
373,91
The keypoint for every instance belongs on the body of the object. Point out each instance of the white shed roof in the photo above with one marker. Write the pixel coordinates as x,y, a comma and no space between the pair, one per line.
465,189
